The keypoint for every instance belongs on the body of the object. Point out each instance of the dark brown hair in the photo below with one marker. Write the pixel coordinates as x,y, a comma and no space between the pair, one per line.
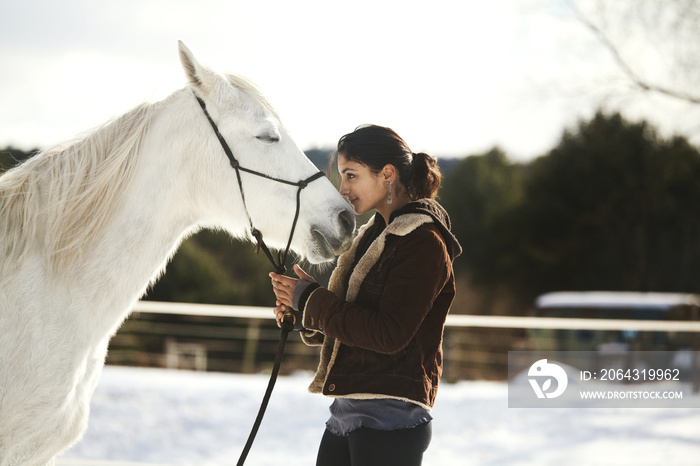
377,146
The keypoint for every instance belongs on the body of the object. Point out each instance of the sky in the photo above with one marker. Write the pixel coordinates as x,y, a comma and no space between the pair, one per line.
452,77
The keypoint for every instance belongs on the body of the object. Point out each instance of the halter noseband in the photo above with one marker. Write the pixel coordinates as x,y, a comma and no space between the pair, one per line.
279,264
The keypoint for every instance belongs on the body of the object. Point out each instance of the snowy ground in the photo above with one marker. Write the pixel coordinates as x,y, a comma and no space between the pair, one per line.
167,417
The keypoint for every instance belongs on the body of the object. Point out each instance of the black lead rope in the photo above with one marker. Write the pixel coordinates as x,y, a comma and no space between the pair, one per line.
287,324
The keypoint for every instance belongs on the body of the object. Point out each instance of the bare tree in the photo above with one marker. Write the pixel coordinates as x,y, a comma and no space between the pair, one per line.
656,43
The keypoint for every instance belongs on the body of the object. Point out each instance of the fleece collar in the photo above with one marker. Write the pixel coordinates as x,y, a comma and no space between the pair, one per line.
400,226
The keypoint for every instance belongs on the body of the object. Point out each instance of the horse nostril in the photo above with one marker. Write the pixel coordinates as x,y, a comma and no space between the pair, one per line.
346,219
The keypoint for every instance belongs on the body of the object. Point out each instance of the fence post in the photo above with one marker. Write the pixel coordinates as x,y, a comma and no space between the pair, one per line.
251,345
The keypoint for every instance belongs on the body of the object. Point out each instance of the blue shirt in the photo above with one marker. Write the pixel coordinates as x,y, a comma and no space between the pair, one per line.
348,414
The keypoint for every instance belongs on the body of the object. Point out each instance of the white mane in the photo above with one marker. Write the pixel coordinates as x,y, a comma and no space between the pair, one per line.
68,193
249,87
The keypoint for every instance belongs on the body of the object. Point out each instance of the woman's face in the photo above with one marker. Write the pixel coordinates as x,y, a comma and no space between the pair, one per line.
364,189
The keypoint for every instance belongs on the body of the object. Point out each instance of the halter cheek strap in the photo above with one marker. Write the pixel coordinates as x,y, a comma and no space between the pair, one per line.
278,264
287,323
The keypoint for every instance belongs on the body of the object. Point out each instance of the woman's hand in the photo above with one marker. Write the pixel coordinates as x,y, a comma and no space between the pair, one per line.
279,313
284,286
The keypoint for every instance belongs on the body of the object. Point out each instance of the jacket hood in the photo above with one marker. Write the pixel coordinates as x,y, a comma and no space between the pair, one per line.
439,215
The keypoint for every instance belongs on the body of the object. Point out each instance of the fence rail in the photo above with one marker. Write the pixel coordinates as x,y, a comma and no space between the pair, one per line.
244,339
455,320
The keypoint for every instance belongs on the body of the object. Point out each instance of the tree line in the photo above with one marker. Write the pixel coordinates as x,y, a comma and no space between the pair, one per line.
613,206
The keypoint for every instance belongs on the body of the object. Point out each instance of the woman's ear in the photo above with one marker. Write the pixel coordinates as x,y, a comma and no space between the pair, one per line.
389,173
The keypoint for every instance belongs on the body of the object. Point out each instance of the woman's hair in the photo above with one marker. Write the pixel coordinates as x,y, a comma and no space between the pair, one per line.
377,146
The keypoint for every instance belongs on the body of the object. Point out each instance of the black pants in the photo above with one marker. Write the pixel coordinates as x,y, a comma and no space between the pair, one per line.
369,447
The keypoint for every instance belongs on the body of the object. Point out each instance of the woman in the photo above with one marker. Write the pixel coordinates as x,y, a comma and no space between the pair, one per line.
380,321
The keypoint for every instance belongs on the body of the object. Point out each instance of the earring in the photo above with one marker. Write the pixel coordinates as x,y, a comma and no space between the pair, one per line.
390,197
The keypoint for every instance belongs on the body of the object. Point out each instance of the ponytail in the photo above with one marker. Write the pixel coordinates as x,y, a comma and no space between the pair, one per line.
424,180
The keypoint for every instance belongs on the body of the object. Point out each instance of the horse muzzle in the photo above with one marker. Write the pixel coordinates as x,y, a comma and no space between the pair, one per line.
329,244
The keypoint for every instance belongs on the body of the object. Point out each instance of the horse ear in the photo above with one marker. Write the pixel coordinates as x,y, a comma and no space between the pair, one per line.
196,73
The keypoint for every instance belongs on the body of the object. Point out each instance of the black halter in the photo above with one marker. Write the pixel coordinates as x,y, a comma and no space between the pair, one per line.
287,323
278,264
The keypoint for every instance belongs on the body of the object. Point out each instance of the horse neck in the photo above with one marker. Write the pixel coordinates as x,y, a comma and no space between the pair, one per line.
163,206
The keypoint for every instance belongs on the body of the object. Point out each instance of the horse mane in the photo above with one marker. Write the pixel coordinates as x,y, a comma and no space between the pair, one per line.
249,87
62,198
67,194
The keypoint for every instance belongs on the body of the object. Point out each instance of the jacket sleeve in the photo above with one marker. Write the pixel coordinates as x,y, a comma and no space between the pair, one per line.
419,271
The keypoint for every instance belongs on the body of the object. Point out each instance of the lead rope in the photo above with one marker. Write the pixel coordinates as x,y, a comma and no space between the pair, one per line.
288,321
287,326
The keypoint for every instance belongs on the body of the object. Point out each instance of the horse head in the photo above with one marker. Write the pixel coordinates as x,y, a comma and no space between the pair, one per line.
260,143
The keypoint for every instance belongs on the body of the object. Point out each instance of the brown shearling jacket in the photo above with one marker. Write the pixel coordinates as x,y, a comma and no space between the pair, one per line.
381,320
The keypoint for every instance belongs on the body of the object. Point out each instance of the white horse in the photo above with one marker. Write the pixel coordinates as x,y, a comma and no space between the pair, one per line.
85,229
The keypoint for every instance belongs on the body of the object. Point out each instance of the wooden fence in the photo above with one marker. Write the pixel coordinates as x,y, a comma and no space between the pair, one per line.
244,339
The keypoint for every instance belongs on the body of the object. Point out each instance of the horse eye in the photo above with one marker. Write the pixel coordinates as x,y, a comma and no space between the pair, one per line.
268,138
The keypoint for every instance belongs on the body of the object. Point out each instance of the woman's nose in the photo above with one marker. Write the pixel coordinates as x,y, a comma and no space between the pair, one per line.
343,190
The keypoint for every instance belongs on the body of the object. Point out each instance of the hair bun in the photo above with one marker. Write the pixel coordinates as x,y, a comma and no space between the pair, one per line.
426,176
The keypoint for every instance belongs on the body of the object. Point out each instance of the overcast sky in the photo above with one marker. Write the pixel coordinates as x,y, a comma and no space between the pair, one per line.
453,77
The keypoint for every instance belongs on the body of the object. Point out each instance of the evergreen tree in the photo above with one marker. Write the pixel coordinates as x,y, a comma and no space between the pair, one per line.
612,207
476,193
9,157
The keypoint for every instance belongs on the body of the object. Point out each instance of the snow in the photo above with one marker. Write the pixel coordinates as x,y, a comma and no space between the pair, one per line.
167,417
